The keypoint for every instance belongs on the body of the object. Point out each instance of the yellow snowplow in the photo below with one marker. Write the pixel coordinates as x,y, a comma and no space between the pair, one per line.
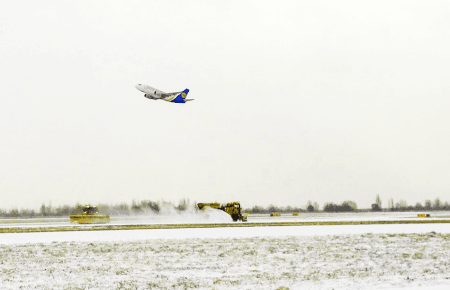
90,215
231,208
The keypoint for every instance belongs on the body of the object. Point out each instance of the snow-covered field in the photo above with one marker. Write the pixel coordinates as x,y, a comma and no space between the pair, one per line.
358,261
385,256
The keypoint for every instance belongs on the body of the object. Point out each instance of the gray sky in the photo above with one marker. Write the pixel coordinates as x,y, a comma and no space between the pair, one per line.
294,101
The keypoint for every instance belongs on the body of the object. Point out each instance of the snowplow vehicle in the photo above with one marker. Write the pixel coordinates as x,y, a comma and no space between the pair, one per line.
231,208
90,215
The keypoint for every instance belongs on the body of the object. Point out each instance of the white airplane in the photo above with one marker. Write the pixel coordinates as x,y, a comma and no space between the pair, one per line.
154,94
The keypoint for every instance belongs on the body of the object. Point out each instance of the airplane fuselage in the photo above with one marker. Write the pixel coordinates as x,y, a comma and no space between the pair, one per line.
150,92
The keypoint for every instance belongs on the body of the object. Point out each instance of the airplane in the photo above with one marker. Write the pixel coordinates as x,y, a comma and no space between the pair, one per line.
154,94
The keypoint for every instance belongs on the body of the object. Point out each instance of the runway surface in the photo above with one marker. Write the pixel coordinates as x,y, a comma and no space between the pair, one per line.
158,227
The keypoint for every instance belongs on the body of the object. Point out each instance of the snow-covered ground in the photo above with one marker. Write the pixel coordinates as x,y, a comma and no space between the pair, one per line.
210,233
403,256
345,261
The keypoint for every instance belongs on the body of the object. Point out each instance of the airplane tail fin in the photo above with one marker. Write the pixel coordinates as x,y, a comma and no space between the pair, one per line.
184,95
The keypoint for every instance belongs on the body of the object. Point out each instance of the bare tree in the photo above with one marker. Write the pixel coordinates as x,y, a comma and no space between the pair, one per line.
43,209
378,201
391,203
316,206
14,212
377,205
350,204
437,203
312,206
257,209
402,204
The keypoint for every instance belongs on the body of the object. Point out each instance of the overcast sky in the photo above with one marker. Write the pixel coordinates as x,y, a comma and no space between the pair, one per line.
294,101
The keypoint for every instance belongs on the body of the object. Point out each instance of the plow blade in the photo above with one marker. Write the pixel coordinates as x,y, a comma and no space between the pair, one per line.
87,219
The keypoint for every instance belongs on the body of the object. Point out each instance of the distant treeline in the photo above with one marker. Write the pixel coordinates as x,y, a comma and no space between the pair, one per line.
148,206
118,209
402,205
271,208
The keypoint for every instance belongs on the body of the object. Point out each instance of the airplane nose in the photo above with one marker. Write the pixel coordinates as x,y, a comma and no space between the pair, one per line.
137,86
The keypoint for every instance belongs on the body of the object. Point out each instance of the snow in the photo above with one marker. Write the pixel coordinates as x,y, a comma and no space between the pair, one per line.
438,287
385,256
354,261
244,232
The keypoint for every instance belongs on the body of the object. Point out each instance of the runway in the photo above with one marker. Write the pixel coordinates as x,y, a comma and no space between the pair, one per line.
143,228
214,219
